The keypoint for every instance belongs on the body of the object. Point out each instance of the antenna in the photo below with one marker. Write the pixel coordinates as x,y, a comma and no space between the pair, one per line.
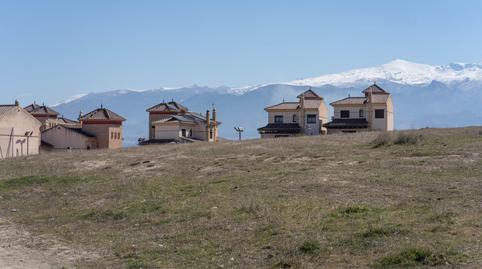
240,130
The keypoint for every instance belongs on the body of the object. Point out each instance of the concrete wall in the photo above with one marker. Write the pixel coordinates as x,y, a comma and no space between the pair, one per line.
311,128
13,141
64,138
167,131
354,111
152,118
287,116
108,135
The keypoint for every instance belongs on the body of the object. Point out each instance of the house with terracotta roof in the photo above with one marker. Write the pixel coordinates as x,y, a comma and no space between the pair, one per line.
305,117
19,132
173,122
371,112
98,129
48,116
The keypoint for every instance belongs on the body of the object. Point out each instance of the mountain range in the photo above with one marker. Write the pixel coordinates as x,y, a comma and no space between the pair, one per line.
423,96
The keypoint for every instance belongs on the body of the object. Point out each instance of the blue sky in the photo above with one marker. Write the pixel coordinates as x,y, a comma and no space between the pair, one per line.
50,50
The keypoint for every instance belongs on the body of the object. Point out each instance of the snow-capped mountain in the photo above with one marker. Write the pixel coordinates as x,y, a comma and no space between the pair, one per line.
400,71
421,93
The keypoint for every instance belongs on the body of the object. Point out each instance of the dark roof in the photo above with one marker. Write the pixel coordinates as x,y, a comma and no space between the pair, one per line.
5,109
346,123
374,89
101,114
350,101
190,117
280,128
36,109
172,106
63,120
71,128
309,94
284,105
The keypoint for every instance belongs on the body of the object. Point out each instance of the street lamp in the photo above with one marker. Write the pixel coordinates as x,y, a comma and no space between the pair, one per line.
28,134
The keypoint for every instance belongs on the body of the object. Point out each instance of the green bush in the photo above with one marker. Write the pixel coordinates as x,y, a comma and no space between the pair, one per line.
410,257
309,247
407,139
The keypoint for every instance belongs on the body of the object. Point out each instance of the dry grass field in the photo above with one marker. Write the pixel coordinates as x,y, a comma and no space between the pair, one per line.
405,200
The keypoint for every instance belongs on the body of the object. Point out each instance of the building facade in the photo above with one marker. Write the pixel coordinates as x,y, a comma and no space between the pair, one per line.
105,126
371,112
305,117
173,122
19,132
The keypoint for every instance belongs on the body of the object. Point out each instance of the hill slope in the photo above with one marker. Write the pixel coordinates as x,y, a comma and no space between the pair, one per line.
309,202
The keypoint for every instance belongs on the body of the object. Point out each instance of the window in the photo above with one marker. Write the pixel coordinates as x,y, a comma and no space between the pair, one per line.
361,113
295,118
345,114
311,118
183,132
379,113
111,135
278,119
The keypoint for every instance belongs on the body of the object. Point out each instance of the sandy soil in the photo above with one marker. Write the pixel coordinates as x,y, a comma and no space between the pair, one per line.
20,250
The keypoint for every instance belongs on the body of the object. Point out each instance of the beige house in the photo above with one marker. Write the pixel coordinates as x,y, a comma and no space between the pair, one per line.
19,132
173,122
66,137
100,128
372,112
46,115
305,117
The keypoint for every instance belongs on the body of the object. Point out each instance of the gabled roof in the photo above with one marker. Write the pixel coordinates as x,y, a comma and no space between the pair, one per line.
63,120
101,114
172,106
7,109
309,94
350,101
375,89
36,109
77,130
189,117
283,106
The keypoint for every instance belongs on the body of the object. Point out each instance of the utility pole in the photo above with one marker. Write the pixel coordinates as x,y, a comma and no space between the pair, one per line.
240,130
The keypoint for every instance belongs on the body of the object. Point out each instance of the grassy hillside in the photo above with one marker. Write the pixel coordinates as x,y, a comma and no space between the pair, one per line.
361,200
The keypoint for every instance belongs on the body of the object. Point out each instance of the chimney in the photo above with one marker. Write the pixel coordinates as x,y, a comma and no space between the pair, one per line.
215,125
208,118
208,125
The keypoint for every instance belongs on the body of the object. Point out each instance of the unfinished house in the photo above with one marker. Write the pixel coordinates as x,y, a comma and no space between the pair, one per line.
305,117
19,132
98,129
371,112
173,122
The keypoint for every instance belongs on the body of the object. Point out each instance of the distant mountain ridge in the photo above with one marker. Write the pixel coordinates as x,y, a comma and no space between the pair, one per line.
424,95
